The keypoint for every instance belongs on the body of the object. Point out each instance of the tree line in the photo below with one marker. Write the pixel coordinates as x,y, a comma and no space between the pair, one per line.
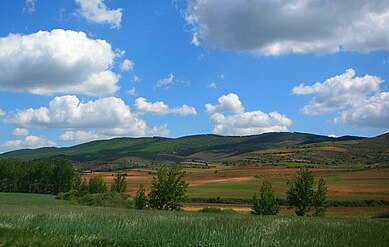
167,191
45,177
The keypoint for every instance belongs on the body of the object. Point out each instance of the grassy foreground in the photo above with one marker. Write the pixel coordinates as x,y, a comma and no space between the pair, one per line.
41,220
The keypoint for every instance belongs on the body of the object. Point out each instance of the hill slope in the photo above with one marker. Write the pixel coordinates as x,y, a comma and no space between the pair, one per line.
343,151
132,152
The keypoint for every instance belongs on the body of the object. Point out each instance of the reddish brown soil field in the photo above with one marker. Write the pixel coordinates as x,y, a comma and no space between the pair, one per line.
342,183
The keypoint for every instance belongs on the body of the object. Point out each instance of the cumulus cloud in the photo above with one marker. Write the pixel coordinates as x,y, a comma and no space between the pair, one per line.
338,92
372,112
60,61
229,118
127,65
227,103
166,82
269,27
79,135
28,142
160,108
20,132
2,113
358,100
104,117
96,11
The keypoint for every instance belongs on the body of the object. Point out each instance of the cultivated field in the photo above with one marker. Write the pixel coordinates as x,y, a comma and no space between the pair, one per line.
41,220
242,181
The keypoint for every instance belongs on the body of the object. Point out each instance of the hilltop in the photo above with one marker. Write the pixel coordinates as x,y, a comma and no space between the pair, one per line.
266,148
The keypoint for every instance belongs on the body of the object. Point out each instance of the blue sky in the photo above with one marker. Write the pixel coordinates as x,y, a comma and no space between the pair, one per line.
78,70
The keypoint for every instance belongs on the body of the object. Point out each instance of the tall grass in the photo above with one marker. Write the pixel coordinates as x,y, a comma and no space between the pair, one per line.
40,220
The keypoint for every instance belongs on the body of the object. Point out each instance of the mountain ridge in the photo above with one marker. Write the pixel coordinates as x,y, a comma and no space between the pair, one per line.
126,152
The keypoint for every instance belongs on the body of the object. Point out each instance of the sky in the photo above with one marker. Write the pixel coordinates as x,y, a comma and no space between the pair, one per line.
73,71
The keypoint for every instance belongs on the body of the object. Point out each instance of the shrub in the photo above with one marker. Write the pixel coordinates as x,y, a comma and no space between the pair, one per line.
97,185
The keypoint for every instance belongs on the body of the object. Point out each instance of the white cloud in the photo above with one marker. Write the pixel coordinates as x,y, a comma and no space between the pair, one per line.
338,92
372,112
212,85
60,61
2,113
20,132
29,6
333,136
104,117
79,135
166,82
269,27
132,91
28,142
160,108
136,78
96,11
127,65
227,103
358,100
239,122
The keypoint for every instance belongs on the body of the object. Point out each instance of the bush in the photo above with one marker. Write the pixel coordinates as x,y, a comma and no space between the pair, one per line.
111,199
97,185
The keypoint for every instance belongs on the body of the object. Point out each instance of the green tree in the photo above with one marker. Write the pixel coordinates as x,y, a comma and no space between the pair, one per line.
97,185
79,185
301,195
119,183
63,174
265,203
320,201
140,198
168,189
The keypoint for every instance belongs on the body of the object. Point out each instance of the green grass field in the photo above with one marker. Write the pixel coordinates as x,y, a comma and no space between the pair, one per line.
41,220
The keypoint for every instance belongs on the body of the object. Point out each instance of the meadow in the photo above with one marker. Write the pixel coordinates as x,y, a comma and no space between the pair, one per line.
41,220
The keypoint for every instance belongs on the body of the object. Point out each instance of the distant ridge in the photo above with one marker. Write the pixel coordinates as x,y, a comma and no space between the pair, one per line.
130,152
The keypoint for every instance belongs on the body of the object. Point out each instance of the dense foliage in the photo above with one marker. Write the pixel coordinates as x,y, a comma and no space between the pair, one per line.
140,200
97,185
301,195
168,189
265,203
47,177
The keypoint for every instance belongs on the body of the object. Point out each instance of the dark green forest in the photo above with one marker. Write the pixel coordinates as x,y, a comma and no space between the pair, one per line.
45,177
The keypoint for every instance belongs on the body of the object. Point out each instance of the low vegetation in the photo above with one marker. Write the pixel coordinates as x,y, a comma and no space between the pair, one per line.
40,220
